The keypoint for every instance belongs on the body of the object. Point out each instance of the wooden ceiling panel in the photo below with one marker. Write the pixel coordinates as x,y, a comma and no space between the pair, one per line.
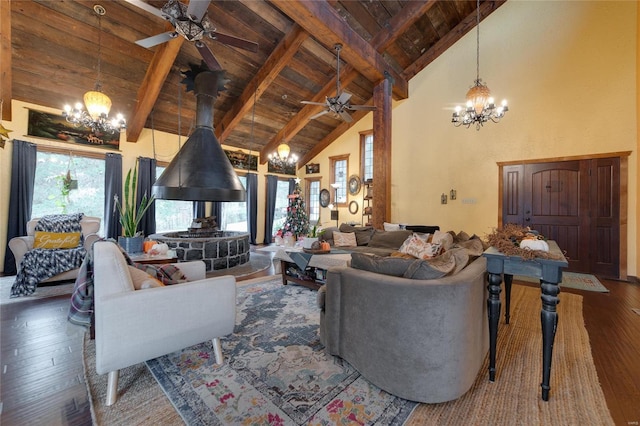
54,58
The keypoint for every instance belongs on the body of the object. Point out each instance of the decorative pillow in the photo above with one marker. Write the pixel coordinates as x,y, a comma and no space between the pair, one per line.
391,240
419,248
391,226
473,246
56,240
395,266
363,233
344,239
450,263
142,280
444,238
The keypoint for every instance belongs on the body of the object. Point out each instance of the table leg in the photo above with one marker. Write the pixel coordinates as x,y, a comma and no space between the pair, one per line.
549,319
283,268
508,279
493,308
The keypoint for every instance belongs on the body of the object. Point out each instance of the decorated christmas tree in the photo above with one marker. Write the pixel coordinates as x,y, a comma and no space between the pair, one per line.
297,221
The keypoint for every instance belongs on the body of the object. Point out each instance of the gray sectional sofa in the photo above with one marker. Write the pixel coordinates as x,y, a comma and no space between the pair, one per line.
420,339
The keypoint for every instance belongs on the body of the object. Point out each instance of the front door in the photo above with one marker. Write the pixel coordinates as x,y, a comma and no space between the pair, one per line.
576,203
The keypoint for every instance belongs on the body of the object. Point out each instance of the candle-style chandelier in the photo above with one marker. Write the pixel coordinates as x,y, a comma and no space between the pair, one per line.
98,105
283,156
480,106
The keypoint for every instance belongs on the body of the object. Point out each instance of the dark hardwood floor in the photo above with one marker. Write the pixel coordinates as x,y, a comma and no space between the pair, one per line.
42,375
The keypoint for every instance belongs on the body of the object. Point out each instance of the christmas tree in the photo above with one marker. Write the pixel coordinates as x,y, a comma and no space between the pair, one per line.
297,221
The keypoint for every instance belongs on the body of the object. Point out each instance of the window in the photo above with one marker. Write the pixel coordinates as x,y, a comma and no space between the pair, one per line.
366,150
312,191
234,213
49,196
172,215
282,202
339,171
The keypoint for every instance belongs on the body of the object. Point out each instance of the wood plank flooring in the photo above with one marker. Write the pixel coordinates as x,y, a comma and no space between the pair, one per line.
41,382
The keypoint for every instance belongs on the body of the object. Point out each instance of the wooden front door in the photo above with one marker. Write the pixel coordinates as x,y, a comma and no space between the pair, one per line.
576,203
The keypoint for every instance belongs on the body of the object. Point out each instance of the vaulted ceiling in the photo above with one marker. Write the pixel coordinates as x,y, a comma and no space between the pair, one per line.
50,57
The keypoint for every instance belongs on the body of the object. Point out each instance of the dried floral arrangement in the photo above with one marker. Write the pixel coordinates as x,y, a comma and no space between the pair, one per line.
507,240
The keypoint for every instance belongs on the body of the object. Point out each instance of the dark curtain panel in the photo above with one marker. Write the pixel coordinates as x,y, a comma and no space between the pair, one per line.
252,206
216,211
199,208
146,178
23,176
112,186
292,185
272,188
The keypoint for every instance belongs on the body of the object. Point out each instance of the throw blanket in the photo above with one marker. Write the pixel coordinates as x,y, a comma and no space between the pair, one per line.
81,306
39,264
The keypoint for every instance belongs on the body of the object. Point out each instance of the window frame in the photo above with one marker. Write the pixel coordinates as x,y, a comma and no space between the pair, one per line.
307,194
343,189
363,141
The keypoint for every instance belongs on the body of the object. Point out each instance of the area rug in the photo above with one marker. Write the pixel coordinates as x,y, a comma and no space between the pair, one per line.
514,398
575,280
42,291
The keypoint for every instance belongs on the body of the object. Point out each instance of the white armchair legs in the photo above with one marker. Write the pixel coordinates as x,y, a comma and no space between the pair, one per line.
112,387
217,350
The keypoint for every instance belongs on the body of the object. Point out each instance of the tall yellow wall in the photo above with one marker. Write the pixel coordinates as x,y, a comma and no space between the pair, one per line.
569,72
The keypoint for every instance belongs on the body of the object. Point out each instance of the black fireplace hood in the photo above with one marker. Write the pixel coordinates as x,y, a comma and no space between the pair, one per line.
201,171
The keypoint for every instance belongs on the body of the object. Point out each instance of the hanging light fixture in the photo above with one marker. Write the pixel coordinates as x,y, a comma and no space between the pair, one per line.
97,104
282,156
480,106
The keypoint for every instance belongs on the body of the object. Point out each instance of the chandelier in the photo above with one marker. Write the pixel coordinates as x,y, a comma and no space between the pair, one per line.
98,105
480,106
282,156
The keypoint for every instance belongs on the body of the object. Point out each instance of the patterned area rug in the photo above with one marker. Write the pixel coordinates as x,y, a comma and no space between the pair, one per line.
575,280
277,371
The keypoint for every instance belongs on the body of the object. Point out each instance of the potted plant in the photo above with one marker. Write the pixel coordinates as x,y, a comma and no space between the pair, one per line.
313,236
131,214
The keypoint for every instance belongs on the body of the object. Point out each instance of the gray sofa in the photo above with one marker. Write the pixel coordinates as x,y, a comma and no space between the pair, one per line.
422,340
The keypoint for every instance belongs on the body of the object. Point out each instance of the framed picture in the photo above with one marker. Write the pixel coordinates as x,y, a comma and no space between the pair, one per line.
55,126
286,169
242,160
313,168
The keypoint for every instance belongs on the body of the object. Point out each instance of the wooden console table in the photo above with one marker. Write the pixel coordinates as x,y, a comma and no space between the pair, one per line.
549,271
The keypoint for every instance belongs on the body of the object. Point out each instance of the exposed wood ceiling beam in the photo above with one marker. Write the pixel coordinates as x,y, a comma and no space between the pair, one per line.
278,59
300,120
322,20
150,87
402,20
466,25
5,59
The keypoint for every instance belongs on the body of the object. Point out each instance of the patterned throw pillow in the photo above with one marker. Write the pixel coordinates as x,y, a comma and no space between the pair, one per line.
142,280
344,239
56,240
419,248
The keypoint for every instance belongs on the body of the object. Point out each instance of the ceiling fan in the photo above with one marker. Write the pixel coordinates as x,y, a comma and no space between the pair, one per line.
192,22
339,104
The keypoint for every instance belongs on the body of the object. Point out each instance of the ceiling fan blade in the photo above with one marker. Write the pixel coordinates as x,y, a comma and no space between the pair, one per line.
156,39
197,9
345,116
230,40
320,114
145,6
343,98
313,103
362,107
208,57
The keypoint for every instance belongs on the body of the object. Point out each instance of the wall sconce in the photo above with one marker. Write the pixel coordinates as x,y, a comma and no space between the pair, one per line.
452,194
443,198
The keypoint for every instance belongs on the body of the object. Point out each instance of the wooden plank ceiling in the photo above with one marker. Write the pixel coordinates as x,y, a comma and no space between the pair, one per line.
53,59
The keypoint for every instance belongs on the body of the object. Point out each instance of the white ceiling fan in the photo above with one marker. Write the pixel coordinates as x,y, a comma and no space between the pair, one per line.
339,104
193,23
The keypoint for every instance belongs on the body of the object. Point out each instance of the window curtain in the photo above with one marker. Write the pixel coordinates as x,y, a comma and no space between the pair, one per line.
112,186
292,185
216,210
199,208
23,176
272,189
252,206
146,178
